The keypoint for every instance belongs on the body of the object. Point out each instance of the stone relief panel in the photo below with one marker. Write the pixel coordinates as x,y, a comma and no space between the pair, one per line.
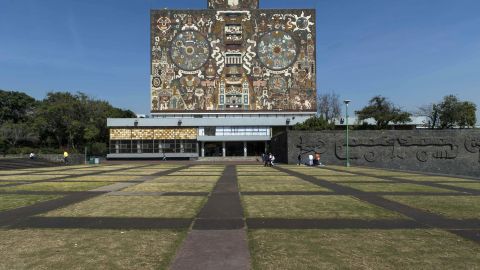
215,60
439,151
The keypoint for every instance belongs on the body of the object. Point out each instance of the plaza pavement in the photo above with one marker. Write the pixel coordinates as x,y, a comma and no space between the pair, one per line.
217,233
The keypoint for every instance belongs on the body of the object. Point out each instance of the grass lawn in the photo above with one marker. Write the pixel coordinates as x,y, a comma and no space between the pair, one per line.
266,178
277,185
313,207
433,178
113,178
11,201
57,186
10,172
260,173
140,173
133,206
88,249
186,173
185,179
457,207
361,249
470,185
27,177
351,178
393,187
172,187
318,171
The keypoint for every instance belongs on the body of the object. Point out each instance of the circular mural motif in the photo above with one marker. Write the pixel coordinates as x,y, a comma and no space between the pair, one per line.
277,50
189,50
277,84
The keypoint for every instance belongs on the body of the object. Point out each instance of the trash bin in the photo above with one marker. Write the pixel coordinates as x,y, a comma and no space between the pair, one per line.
97,160
91,161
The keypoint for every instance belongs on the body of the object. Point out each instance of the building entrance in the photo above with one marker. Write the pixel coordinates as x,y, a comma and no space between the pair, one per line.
234,149
213,149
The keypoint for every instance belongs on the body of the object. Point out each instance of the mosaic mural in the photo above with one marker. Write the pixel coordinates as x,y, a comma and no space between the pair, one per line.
233,57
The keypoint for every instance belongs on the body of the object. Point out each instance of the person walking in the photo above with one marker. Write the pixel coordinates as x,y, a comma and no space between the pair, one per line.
272,160
299,159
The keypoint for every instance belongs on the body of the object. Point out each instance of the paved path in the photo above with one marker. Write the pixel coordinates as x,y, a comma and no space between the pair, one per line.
218,240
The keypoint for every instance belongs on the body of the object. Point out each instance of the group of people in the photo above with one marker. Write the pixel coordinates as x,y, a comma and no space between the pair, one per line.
268,159
313,160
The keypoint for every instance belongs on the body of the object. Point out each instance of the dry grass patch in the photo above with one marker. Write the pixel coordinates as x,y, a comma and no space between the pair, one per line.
393,187
56,186
197,173
133,206
172,187
431,178
313,207
319,171
27,177
267,178
11,172
185,179
260,173
12,201
88,249
349,178
470,185
361,249
112,178
277,186
456,207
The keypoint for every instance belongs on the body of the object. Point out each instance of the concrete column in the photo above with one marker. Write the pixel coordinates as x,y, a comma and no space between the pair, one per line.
266,147
203,149
224,150
117,147
245,154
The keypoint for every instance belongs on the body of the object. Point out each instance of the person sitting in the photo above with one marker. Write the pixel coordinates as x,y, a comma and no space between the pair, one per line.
32,155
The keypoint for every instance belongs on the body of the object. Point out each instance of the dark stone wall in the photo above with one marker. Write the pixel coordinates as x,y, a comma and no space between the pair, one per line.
278,147
438,151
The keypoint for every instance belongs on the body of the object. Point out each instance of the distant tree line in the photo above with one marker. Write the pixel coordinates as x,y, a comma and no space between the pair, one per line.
61,121
449,113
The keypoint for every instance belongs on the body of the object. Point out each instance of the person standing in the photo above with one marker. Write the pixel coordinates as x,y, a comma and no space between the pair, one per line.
65,157
272,160
310,160
299,159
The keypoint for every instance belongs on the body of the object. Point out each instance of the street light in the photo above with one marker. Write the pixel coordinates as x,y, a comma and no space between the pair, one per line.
347,101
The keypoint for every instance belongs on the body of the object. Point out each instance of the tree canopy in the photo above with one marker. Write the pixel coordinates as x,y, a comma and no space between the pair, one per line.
61,120
315,123
455,113
383,112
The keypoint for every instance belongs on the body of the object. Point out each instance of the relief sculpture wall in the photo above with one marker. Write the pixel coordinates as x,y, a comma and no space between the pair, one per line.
233,56
440,151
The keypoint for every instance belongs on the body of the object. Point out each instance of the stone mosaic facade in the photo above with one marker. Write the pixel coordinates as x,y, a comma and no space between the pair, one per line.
154,134
233,57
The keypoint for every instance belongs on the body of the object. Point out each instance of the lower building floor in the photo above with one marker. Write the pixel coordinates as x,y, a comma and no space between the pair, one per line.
184,148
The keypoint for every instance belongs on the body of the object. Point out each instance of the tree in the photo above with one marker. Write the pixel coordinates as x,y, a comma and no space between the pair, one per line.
383,112
455,113
15,106
329,106
315,123
431,112
13,133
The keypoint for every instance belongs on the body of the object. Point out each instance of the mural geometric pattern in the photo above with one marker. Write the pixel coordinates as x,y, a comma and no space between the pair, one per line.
233,57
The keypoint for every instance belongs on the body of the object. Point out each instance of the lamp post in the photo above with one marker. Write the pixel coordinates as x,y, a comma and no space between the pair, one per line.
347,101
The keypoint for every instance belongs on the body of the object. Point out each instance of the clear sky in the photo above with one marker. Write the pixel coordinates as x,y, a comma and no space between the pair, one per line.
411,51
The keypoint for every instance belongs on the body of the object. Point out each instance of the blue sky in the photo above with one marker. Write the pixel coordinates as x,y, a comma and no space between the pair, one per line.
413,52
